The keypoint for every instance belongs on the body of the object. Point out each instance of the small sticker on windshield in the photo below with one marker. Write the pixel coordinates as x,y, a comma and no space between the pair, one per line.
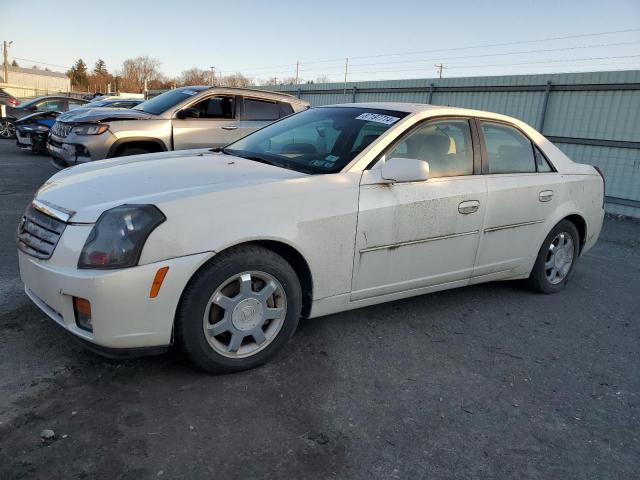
189,92
378,118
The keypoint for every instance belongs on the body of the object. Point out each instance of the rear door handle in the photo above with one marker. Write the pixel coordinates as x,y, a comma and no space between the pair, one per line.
230,127
545,195
470,206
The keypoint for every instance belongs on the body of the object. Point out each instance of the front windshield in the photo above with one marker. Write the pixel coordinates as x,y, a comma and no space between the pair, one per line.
166,100
320,140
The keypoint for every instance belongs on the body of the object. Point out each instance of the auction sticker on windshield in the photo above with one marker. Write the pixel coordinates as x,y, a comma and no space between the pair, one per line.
378,118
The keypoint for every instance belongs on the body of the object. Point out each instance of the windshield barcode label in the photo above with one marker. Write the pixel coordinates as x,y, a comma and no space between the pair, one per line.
376,117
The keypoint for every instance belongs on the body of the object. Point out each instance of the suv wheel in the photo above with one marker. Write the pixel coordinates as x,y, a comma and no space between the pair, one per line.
239,311
125,152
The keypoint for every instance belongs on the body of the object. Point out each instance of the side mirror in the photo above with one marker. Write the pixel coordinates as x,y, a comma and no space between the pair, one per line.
188,113
401,170
33,108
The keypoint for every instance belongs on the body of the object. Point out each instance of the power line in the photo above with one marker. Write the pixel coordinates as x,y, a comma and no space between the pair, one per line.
519,52
468,47
353,67
41,63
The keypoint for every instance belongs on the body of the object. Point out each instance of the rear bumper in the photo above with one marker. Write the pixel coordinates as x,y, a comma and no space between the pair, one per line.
123,315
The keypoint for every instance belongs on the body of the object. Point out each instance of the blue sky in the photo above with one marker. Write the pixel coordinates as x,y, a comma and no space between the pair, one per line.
265,39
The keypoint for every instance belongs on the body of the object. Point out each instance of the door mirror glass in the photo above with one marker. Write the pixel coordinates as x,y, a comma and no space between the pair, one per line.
401,170
188,113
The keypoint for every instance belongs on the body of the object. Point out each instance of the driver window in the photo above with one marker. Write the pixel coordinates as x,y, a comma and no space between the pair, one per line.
445,144
220,107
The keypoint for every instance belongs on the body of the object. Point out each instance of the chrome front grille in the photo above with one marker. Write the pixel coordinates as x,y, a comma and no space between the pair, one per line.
38,233
60,129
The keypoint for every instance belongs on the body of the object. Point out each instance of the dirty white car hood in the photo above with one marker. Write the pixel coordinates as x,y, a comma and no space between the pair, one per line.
89,189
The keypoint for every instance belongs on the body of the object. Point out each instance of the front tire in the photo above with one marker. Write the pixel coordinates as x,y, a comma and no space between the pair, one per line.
126,152
238,311
556,258
7,129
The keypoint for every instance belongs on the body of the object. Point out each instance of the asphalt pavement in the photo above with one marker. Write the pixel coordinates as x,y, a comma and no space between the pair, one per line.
492,381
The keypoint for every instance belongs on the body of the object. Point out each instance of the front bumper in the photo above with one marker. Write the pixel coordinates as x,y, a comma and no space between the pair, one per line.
123,315
75,149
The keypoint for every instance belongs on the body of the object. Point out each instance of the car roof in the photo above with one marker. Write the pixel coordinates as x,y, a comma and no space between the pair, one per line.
245,90
413,108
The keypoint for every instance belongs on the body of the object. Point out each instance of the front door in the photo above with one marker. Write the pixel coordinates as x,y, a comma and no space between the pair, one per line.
216,126
421,234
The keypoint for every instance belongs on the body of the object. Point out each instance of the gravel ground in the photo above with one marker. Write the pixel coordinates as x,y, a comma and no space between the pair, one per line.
489,381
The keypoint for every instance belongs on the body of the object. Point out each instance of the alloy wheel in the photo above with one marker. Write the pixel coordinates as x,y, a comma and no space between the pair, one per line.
245,314
559,258
7,129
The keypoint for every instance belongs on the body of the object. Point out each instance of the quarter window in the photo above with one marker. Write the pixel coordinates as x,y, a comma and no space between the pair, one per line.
255,109
509,150
446,145
541,162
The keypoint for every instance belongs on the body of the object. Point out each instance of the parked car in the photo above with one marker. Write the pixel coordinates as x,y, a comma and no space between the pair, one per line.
221,251
184,118
7,99
32,131
52,103
115,103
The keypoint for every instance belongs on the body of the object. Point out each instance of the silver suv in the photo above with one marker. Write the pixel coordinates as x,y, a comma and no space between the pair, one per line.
187,117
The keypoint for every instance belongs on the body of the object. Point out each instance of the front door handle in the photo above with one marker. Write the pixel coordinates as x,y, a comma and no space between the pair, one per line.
230,127
545,195
470,206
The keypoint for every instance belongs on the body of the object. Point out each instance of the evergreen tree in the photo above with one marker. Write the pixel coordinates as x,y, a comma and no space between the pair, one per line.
78,74
100,68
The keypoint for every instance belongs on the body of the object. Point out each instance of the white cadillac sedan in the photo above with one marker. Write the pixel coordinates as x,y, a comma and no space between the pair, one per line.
334,208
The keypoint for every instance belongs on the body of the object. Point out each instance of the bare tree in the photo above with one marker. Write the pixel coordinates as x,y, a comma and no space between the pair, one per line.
237,80
195,76
136,72
323,79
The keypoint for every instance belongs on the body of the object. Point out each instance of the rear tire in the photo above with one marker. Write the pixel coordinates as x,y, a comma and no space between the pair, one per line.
238,311
556,258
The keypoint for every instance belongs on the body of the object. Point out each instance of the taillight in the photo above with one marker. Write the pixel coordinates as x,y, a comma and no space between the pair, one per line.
14,102
604,183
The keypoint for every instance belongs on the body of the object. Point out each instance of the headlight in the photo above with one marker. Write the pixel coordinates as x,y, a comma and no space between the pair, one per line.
35,128
118,236
90,129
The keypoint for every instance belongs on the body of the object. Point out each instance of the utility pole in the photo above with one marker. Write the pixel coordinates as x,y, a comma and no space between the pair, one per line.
6,60
346,71
297,71
440,68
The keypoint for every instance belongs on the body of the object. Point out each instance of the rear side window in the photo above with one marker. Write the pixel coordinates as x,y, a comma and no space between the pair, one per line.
285,109
509,150
255,109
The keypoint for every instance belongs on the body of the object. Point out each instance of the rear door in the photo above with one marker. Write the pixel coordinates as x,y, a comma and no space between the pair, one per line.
217,125
521,187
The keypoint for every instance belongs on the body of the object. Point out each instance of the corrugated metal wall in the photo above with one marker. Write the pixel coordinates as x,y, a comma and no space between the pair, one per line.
585,112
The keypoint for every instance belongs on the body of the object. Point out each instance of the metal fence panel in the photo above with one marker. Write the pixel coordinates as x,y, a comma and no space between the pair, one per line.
594,117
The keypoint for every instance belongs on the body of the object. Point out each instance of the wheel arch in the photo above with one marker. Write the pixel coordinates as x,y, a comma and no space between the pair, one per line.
155,144
287,251
581,225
